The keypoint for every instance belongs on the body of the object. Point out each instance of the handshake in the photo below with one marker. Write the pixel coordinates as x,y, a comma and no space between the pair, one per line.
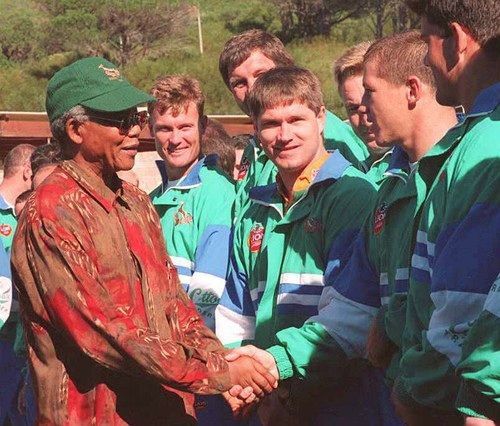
253,374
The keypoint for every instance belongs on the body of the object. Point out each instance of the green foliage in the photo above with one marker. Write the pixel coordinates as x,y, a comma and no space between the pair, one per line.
19,91
252,15
53,63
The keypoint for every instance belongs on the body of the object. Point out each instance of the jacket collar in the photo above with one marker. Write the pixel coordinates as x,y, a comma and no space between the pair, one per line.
4,205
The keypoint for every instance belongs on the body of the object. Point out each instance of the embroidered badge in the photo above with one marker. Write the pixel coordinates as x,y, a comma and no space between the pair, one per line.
244,166
313,225
182,216
314,173
5,229
380,219
111,73
255,238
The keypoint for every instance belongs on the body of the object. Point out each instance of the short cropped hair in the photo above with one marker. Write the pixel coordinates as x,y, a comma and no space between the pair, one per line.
49,153
78,113
176,92
242,141
284,86
399,56
480,17
239,47
15,158
350,63
215,140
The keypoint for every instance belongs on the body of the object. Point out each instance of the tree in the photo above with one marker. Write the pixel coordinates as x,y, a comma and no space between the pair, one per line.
307,18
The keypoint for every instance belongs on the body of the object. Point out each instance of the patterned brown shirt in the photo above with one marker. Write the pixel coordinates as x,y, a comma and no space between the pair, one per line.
112,337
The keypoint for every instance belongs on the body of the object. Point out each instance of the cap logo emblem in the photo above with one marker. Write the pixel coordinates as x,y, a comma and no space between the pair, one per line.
111,73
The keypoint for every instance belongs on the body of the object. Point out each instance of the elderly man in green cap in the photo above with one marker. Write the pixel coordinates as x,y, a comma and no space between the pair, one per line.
112,337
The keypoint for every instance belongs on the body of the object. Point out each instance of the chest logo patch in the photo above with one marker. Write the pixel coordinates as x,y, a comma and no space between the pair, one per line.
5,229
244,166
182,216
255,238
313,225
379,221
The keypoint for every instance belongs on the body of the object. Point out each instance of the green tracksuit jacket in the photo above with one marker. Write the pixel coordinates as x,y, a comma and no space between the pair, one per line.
196,219
451,345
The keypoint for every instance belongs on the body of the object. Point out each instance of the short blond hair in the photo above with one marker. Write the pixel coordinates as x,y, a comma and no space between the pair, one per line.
350,63
176,92
284,86
400,55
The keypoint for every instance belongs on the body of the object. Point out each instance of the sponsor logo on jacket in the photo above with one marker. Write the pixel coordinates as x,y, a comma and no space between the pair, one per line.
181,216
5,229
255,238
379,221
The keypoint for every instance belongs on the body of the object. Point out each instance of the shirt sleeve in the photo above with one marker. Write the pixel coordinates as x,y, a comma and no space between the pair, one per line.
60,259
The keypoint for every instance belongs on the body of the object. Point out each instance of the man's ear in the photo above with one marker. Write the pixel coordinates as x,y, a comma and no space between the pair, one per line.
27,172
455,46
74,131
321,117
413,90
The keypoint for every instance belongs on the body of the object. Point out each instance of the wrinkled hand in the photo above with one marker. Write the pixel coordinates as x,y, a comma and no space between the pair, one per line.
240,401
379,348
245,371
260,355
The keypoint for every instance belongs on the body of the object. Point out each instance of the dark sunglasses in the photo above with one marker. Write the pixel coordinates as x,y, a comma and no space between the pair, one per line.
125,124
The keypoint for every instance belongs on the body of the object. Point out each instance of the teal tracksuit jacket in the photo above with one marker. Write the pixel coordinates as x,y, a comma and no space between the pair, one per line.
451,344
195,216
282,261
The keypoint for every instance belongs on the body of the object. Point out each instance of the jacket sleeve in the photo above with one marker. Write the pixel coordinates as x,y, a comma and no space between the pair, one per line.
76,299
212,249
5,286
349,302
235,314
459,267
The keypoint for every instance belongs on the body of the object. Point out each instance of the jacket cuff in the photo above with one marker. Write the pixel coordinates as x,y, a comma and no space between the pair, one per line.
475,404
283,363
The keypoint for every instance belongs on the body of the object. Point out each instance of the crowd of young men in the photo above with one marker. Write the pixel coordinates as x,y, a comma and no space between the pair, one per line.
349,276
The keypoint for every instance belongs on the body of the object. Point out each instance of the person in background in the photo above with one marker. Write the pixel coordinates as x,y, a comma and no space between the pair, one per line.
243,59
240,143
293,238
107,322
450,368
194,203
17,179
44,161
215,140
348,74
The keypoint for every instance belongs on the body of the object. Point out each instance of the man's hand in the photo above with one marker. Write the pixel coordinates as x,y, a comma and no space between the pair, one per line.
474,421
379,348
260,355
245,371
241,401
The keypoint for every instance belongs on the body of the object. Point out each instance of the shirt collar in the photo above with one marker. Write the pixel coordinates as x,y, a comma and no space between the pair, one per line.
399,160
193,178
333,168
94,185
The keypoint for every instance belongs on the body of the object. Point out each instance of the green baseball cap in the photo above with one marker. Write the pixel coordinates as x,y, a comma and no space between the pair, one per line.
94,83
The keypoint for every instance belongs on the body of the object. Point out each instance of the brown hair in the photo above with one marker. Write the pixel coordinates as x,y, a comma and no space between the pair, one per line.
399,56
239,47
15,158
176,92
284,86
49,153
350,63
480,17
215,140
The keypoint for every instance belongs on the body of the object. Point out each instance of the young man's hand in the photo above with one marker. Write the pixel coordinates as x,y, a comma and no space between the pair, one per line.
379,348
260,355
245,371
